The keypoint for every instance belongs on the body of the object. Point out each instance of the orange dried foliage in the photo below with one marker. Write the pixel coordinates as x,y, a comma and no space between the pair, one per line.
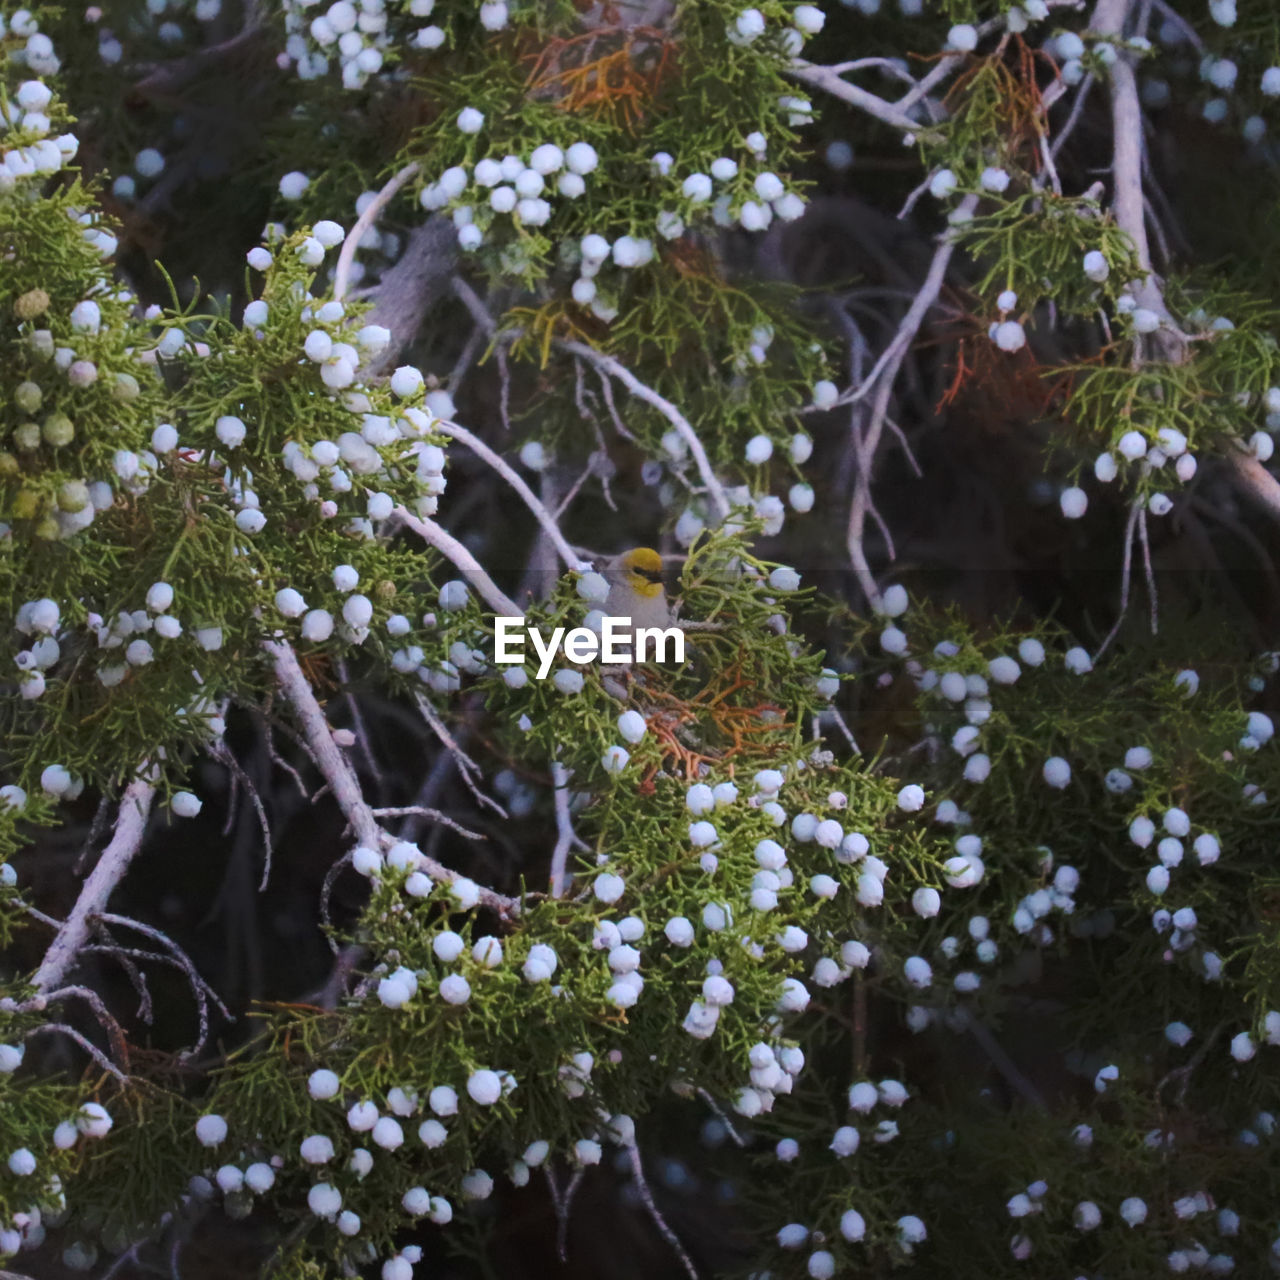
711,717
996,388
1012,68
692,261
611,73
318,669
1001,391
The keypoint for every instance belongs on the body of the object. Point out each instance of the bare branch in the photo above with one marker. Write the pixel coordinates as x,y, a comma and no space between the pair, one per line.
358,726
941,70
1148,571
1126,571
607,364
434,814
335,766
734,1136
87,1045
565,836
474,304
136,977
530,499
346,255
341,778
926,296
467,767
607,388
1002,1062
463,561
326,892
1184,1073
1077,110
1170,14
115,1033
221,752
131,825
1255,481
882,377
411,286
276,759
164,79
200,989
646,1199
828,80
562,1202
1108,21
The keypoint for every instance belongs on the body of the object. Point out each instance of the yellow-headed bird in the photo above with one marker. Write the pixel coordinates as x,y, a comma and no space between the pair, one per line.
636,590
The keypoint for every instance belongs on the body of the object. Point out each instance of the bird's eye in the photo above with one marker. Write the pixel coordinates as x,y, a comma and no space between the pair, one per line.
650,575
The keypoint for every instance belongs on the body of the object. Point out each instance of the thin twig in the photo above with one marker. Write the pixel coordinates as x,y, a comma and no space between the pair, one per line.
346,255
607,389
545,519
925,298
1183,1073
471,300
434,814
563,1203
844,729
165,79
180,957
1077,110
358,725
607,364
467,358
463,561
882,376
326,892
200,989
646,1199
431,787
334,765
563,505
1146,566
1126,563
504,388
98,826
274,756
128,1257
1190,34
942,69
115,1033
735,1137
126,955
137,979
887,65
565,836
467,767
87,1045
221,752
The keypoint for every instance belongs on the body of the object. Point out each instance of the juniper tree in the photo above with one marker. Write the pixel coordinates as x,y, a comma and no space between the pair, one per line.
922,919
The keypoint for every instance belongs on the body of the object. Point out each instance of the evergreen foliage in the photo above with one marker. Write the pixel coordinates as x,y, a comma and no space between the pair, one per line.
949,927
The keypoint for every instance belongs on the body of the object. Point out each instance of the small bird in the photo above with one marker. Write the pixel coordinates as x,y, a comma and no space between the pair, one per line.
636,590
